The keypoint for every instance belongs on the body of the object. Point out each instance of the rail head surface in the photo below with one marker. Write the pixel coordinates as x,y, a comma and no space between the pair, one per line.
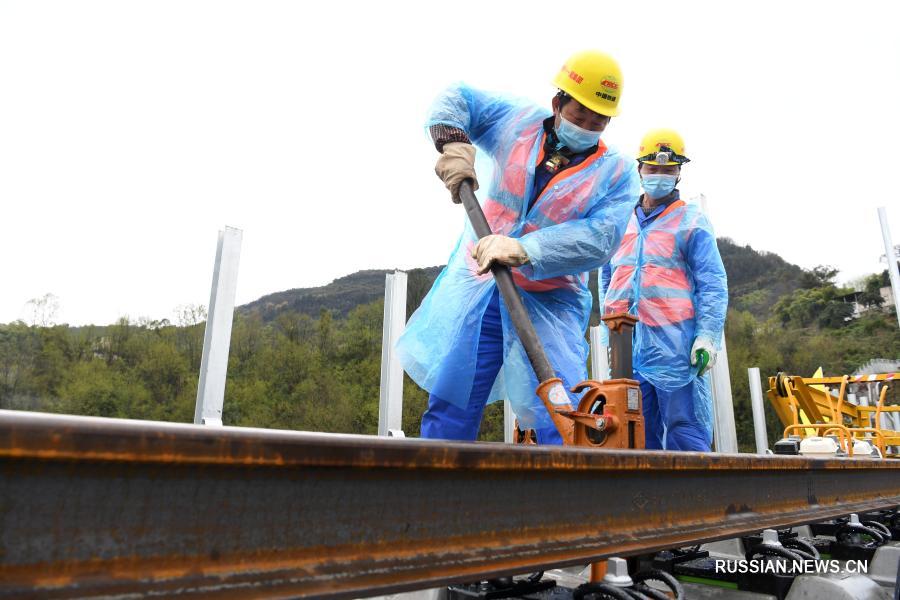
92,506
65,437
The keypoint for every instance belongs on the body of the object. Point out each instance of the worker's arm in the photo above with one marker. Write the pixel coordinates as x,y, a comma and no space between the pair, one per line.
479,115
442,135
584,244
710,282
605,277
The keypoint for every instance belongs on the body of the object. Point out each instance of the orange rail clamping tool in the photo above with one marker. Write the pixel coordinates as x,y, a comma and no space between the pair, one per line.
609,412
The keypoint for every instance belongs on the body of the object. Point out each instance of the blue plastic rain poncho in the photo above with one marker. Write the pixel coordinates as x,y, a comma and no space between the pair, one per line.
573,227
670,275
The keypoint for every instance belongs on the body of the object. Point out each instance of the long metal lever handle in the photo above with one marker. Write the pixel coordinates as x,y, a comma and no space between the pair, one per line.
533,346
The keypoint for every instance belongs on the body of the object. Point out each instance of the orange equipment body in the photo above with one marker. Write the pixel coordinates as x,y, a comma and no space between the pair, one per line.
821,406
609,413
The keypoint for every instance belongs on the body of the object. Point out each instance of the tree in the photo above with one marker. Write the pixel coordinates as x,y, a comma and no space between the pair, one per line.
820,276
835,314
94,388
19,345
418,284
189,318
325,332
44,310
116,342
52,359
871,295
164,373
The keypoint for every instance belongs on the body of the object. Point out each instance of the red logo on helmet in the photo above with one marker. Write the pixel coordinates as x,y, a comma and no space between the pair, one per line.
572,74
609,84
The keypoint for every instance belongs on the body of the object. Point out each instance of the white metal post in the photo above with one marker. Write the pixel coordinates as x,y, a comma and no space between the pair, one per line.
864,401
390,405
217,337
759,411
599,356
887,421
509,423
891,257
724,430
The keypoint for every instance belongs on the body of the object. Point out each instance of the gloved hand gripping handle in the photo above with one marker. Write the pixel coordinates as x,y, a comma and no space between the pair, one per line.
533,346
551,390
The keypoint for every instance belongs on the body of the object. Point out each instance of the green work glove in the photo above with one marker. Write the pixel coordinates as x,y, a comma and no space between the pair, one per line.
703,354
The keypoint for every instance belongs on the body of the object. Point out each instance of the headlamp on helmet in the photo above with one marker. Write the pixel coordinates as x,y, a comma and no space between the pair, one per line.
664,156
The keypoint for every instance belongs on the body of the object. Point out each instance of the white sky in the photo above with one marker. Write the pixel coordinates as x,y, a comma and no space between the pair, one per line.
130,132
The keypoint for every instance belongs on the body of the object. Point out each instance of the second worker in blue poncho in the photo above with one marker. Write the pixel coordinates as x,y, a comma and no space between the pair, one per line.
558,204
668,273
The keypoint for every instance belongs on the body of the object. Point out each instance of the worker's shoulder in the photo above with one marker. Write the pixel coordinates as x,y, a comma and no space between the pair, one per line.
488,96
613,153
694,210
621,162
695,219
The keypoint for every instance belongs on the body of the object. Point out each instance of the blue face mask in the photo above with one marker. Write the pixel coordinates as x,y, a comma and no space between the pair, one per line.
574,137
658,186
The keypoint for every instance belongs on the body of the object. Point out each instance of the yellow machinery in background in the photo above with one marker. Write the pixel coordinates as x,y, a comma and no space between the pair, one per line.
818,406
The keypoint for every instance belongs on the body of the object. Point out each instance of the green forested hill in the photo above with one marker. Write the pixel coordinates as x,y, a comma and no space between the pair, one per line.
756,281
340,296
310,358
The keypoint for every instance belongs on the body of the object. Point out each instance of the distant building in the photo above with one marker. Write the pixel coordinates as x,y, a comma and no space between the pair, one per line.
853,298
888,294
860,308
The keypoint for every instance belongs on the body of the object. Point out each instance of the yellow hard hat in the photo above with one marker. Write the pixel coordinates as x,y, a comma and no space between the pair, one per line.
594,79
662,147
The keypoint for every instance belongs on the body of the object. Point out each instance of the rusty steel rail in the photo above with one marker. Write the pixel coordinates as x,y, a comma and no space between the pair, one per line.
93,506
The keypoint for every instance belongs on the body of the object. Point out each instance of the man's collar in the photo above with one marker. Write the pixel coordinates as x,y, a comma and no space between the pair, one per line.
672,197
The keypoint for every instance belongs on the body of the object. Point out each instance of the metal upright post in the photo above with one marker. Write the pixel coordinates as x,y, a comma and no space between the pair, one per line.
390,405
599,352
759,412
599,356
509,423
862,400
217,338
891,257
724,430
621,326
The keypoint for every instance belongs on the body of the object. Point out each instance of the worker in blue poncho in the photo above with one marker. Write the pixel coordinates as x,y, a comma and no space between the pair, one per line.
668,272
558,203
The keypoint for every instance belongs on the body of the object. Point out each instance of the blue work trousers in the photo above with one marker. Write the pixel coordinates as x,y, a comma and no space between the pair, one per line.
669,420
446,421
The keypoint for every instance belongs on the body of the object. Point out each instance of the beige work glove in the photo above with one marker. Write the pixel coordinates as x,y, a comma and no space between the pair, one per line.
456,164
504,250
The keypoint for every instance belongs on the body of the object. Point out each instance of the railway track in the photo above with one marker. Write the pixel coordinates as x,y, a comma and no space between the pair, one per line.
92,506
